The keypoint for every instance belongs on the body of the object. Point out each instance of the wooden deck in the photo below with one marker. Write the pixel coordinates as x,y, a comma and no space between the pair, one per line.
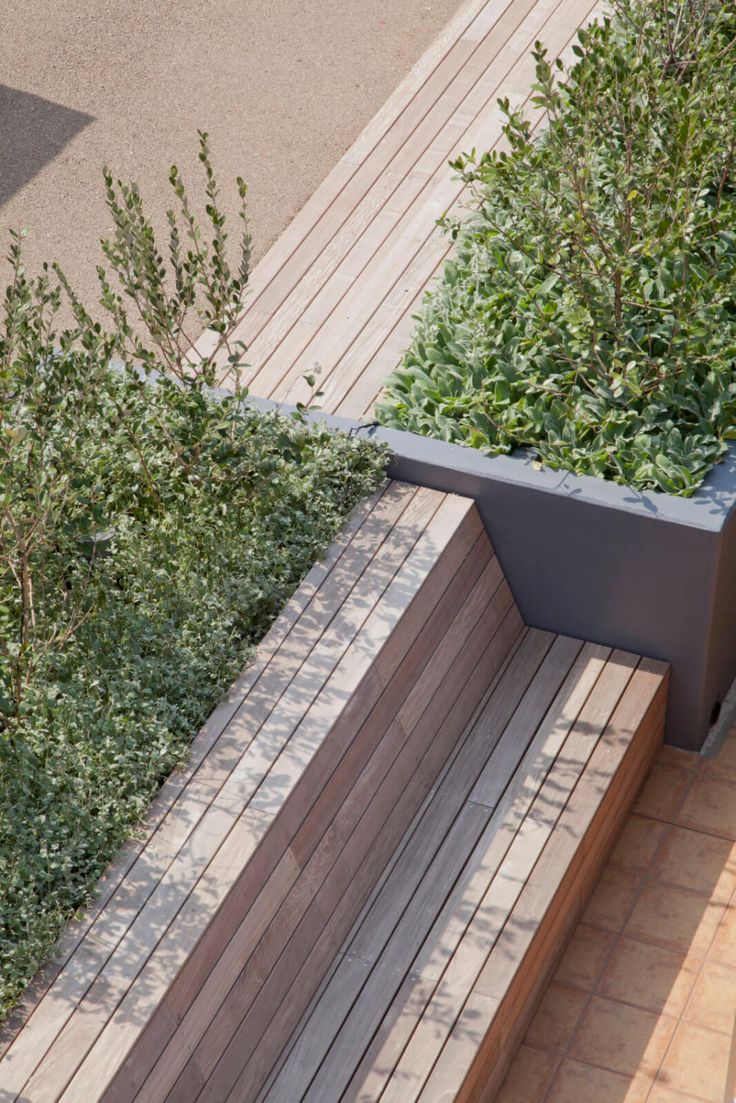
339,287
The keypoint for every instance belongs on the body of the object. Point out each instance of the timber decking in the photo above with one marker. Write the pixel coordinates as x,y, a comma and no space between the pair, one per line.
340,286
360,886
214,935
439,978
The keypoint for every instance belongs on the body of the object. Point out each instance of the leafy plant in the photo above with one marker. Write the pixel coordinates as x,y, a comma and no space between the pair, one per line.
589,310
149,533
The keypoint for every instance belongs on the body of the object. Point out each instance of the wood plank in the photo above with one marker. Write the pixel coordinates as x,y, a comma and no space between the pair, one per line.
401,504
486,1076
518,852
424,656
371,153
422,508
221,977
373,789
436,66
400,241
368,869
427,259
81,1032
353,1019
131,880
406,649
322,1085
406,500
403,936
395,238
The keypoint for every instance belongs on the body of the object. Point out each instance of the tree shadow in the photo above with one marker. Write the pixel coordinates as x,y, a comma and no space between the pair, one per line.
33,131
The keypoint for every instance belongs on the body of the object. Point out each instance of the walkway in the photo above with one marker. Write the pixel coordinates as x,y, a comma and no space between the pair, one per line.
340,286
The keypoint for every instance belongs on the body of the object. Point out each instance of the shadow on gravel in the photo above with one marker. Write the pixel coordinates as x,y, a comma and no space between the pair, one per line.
32,132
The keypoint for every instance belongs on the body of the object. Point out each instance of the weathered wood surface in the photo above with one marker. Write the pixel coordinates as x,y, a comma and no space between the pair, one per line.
437,982
259,858
339,287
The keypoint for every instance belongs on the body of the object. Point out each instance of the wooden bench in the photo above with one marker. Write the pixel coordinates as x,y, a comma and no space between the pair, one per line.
362,883
437,982
341,285
211,937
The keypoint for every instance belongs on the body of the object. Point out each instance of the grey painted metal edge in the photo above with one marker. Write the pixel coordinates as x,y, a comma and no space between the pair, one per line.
708,509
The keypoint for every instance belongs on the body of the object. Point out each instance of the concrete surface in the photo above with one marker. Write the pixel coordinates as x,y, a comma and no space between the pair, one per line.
282,86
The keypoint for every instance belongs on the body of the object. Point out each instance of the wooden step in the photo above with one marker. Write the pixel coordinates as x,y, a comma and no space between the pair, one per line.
438,980
209,945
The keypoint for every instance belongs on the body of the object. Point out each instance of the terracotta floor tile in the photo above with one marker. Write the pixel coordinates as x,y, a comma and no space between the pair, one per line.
637,843
724,763
679,760
710,805
663,792
585,956
699,862
529,1076
612,899
697,1063
555,1021
724,944
580,1083
651,977
675,918
661,1094
713,1002
622,1038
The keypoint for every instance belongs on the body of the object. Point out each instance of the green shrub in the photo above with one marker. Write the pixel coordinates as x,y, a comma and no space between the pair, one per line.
589,309
149,533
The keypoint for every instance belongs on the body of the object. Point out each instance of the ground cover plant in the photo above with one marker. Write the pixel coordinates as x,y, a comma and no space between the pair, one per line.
149,533
588,311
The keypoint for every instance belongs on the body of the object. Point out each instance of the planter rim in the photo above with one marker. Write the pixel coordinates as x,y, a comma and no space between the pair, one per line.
708,509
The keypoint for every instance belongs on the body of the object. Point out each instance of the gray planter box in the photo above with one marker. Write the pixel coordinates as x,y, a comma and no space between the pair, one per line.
647,572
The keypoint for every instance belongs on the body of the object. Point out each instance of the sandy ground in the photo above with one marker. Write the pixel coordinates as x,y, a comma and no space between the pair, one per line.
282,86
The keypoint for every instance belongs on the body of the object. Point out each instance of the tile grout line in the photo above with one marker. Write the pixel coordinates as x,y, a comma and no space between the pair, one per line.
565,1054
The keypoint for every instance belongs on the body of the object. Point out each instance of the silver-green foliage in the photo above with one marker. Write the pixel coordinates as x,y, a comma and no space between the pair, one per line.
149,533
589,309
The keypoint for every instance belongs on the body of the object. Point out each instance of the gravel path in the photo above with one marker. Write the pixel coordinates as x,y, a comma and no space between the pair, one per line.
282,86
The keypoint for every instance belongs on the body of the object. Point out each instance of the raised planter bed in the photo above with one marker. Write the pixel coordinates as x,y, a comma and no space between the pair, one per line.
645,571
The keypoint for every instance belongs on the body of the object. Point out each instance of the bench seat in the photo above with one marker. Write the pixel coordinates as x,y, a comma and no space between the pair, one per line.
437,982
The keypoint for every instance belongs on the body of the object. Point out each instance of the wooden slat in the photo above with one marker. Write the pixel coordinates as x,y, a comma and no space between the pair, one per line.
208,844
90,941
149,884
392,902
419,519
593,817
396,231
138,879
341,312
357,1033
518,855
307,822
371,788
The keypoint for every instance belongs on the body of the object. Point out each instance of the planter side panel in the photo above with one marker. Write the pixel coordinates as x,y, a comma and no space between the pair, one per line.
604,574
721,661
